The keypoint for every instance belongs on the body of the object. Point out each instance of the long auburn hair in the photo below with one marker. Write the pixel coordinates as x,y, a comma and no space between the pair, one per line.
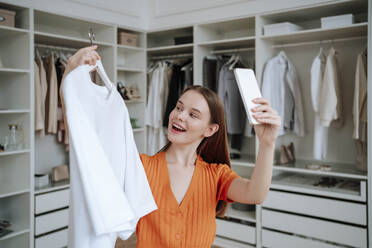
213,149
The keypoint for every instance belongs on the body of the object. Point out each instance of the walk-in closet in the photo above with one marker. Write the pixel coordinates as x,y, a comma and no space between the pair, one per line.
310,57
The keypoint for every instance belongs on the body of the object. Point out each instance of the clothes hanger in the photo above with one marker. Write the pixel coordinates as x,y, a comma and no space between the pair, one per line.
237,59
99,66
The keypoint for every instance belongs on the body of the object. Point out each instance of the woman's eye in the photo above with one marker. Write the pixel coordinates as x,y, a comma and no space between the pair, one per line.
193,115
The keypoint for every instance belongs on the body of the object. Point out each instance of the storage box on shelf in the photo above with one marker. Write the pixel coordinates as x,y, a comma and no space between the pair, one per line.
310,21
21,16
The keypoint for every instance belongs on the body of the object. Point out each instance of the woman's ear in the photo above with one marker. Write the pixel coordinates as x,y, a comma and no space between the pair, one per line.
212,129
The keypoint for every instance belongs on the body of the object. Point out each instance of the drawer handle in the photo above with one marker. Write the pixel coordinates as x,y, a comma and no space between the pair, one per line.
2,19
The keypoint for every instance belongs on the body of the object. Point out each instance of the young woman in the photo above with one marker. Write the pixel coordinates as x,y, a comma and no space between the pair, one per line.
190,178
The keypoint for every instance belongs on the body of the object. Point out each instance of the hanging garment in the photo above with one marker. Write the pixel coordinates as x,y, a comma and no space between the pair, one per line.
360,100
109,187
320,132
43,89
176,86
281,88
360,113
52,96
154,109
209,73
39,121
228,91
330,101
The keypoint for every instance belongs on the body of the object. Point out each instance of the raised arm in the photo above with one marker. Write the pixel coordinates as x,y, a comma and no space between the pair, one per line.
255,189
86,55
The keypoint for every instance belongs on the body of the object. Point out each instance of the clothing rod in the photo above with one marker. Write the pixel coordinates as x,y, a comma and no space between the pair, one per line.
183,55
233,50
319,42
56,47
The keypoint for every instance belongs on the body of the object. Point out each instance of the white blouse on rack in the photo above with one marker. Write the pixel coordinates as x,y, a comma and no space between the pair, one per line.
109,187
320,143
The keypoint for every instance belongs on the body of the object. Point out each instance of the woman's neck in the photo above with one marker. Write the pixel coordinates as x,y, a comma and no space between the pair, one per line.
184,155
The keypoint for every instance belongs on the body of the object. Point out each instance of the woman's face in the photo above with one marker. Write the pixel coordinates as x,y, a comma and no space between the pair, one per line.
189,121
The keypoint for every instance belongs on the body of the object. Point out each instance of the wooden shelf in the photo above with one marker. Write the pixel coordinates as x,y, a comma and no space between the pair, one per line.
14,152
61,40
53,187
235,42
127,69
170,49
354,30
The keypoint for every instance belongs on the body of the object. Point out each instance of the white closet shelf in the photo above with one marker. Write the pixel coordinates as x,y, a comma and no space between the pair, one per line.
241,215
338,170
53,187
5,30
128,69
6,191
225,242
168,49
14,152
359,29
14,111
130,48
8,153
17,231
245,161
137,130
235,42
13,70
134,101
67,41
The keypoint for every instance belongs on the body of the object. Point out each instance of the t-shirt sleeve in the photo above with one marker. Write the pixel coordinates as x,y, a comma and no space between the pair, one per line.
225,177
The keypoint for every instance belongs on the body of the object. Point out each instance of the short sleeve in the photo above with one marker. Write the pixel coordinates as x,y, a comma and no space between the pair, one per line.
225,177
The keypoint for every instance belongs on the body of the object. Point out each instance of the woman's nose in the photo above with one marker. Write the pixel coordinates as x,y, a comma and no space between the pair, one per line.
181,115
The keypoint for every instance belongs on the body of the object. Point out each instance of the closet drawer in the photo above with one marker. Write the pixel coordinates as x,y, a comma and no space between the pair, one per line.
350,212
51,201
52,221
315,228
282,240
236,231
54,240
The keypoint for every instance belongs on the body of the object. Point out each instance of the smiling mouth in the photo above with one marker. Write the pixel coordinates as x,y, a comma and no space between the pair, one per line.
177,128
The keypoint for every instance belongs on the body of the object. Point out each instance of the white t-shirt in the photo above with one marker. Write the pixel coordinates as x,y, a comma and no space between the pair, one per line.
109,187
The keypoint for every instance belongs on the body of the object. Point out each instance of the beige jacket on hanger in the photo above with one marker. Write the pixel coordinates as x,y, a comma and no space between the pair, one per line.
52,96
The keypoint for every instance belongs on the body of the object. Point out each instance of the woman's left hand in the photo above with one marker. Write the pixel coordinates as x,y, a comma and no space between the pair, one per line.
269,122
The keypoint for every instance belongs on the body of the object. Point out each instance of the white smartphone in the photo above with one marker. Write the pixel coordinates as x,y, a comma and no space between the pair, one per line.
249,90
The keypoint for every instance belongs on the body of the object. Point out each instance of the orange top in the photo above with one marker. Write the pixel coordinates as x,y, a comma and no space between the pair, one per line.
192,223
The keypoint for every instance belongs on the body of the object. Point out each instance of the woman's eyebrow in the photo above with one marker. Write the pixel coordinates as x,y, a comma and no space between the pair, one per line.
194,109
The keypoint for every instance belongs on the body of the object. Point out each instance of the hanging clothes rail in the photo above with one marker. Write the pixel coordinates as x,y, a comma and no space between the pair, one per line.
56,47
236,50
319,42
183,55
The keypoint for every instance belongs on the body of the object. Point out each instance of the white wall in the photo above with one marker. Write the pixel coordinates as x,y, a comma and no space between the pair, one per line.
122,12
170,13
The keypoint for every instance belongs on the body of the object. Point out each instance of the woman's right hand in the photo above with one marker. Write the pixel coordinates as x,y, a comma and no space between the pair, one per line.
86,55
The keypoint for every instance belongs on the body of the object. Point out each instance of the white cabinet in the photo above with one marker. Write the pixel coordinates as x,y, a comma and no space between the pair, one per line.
51,201
315,228
236,231
55,240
